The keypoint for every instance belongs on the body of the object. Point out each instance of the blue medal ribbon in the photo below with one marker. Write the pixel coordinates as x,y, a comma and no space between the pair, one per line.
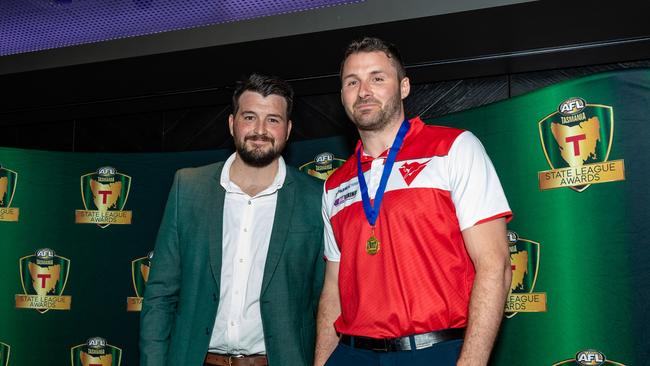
372,212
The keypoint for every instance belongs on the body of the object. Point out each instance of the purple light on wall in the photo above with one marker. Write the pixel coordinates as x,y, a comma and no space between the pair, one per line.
33,25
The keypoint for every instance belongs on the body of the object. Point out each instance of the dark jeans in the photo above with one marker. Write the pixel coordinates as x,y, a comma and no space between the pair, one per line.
440,354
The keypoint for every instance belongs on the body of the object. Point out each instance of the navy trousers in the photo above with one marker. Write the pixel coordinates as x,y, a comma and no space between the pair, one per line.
440,354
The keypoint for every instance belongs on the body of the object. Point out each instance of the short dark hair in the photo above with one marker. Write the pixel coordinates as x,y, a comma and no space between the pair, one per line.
373,44
264,85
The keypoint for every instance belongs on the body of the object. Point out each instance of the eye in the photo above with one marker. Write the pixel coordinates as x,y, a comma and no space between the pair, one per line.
248,117
351,83
274,120
377,79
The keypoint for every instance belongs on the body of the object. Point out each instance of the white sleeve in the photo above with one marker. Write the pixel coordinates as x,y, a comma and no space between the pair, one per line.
475,187
332,252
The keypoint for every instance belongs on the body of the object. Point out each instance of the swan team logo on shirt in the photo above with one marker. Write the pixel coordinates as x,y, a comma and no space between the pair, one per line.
95,352
410,170
8,183
589,357
140,275
577,141
43,276
524,261
104,194
323,165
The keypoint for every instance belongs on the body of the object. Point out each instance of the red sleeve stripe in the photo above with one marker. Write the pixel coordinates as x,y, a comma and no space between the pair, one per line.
507,215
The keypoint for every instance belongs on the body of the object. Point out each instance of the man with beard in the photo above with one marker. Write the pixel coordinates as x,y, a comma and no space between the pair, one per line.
237,267
418,264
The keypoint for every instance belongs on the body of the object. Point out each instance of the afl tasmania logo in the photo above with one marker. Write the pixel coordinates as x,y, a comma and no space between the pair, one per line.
524,263
588,357
104,194
577,141
8,183
572,106
323,165
140,275
96,351
44,276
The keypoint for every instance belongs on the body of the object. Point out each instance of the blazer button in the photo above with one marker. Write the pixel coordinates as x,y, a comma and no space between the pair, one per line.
207,331
214,297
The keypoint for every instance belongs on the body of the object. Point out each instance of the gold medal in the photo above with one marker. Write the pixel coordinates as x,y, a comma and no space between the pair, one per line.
370,209
372,245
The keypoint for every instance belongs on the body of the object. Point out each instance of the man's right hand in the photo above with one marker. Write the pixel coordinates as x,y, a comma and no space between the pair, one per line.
329,309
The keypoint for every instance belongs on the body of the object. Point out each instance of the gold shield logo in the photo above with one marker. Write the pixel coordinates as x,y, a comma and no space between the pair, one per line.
577,141
140,275
524,263
95,352
43,277
104,194
8,184
323,165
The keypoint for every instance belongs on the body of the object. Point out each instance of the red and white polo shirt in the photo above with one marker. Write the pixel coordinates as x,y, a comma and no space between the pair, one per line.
420,280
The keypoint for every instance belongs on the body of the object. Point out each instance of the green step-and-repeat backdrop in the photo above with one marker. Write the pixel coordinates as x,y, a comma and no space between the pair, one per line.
77,231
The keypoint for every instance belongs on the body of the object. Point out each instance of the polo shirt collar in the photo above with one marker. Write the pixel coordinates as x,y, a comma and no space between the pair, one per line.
416,126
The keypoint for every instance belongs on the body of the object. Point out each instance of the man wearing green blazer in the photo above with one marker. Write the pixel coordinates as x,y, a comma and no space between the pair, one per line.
238,264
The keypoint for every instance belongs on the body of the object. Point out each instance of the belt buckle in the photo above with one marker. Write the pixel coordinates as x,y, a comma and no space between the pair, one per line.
230,357
385,348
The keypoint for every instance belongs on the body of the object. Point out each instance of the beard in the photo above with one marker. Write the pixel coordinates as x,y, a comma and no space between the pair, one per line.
258,157
377,120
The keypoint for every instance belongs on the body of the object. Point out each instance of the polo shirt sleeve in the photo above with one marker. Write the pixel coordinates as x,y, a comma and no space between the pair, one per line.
332,252
475,188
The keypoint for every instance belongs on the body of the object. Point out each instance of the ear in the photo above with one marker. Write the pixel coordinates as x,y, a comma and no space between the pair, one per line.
289,124
231,120
405,87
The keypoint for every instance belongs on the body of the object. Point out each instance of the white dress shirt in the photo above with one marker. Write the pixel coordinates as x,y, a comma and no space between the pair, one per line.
247,225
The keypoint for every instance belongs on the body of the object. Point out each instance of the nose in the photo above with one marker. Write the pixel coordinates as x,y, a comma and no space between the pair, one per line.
364,90
260,127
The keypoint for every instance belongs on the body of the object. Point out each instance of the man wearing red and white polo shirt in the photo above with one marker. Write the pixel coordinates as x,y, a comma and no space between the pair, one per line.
418,266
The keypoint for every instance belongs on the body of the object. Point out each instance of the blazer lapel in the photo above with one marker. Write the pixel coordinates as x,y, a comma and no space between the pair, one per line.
283,214
215,198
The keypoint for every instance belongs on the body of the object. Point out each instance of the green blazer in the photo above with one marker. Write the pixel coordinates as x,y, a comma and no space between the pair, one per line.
182,293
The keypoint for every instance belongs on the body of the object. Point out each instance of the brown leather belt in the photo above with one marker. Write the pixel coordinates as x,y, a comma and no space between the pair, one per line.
213,359
420,341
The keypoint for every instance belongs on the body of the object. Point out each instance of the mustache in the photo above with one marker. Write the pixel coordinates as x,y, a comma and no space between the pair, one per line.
369,100
259,137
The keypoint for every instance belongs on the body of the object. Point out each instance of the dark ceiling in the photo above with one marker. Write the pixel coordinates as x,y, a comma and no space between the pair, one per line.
526,37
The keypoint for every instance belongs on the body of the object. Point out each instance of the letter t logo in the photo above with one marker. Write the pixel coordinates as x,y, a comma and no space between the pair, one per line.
43,278
106,193
576,143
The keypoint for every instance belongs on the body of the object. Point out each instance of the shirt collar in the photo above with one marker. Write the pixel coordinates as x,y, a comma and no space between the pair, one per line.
416,126
365,158
231,187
